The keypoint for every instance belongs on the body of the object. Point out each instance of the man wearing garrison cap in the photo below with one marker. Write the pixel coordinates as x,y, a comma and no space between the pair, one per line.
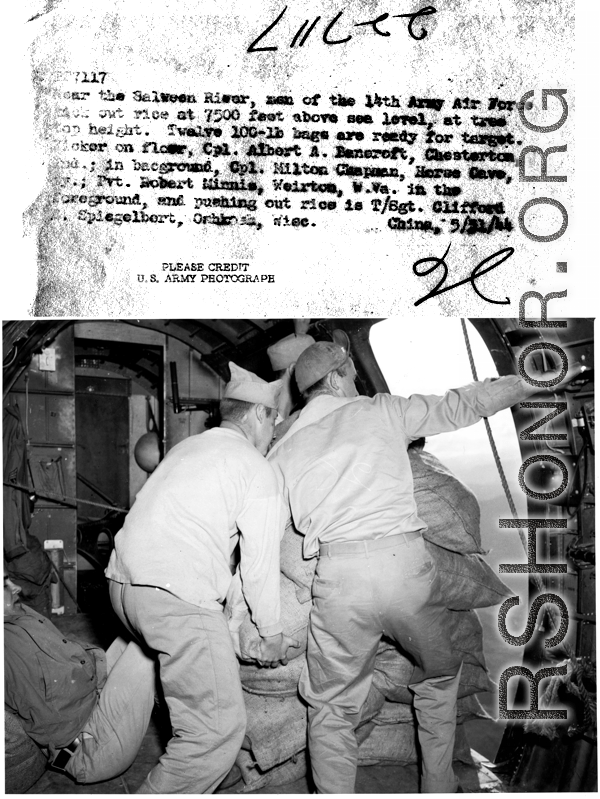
169,575
344,469
283,356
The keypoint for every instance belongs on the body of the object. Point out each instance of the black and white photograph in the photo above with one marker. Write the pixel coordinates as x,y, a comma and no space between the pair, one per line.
299,555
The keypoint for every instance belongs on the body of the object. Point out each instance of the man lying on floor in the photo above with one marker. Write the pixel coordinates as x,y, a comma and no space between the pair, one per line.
88,709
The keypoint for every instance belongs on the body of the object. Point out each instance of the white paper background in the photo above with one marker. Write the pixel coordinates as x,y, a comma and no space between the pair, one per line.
478,49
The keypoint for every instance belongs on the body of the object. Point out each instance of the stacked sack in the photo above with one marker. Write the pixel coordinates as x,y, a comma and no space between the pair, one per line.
274,748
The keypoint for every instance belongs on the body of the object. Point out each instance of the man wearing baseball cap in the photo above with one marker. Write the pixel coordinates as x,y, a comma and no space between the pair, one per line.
344,469
169,575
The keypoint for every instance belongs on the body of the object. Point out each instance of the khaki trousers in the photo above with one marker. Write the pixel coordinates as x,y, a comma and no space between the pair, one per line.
200,678
387,587
118,723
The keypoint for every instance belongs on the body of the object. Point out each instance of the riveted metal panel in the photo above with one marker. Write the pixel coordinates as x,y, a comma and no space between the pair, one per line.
53,471
62,378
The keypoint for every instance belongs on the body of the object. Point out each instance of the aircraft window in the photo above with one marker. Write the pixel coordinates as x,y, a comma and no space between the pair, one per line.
429,357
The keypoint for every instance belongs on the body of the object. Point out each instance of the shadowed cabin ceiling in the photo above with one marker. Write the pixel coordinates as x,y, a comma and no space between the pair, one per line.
245,341
217,341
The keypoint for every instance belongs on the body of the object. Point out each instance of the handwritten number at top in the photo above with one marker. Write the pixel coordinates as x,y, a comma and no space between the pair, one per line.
303,32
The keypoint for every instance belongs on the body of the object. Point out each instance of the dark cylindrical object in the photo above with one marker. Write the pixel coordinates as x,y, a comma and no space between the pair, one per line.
175,387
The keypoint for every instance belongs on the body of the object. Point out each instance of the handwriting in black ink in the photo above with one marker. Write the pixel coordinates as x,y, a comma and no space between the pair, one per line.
502,255
304,32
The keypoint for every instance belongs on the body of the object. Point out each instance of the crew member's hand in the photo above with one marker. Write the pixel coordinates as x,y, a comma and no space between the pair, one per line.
235,638
273,650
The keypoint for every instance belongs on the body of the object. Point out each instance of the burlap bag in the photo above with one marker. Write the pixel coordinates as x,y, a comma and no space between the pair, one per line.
449,509
276,733
276,728
397,744
467,581
393,671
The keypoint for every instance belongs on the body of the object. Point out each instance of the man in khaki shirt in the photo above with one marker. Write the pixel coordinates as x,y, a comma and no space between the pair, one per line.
344,469
169,575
